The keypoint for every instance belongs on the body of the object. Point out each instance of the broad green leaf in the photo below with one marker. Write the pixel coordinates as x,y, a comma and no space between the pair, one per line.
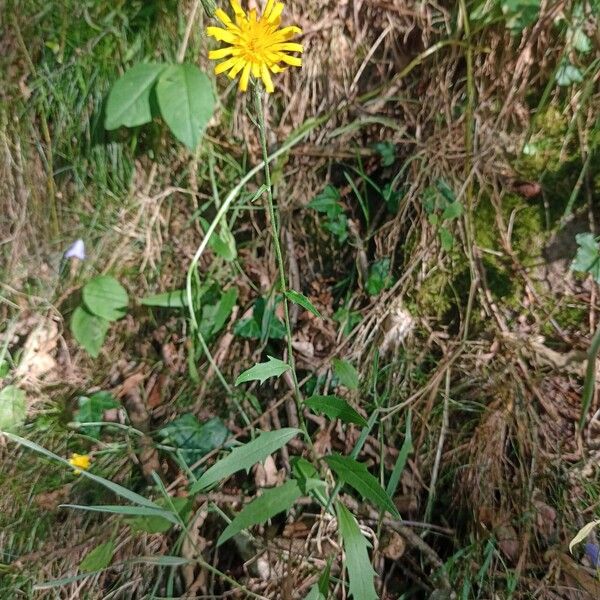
264,323
89,330
346,373
379,278
262,371
358,564
303,301
272,502
347,318
224,308
117,489
452,211
568,74
519,14
407,448
91,410
583,533
99,558
129,99
174,299
105,297
224,243
445,190
356,475
328,202
13,408
192,438
580,41
244,457
247,328
117,509
335,408
155,523
186,102
315,593
387,153
446,239
587,259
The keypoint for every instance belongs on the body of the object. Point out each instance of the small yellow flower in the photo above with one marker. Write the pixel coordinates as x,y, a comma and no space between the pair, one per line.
257,46
79,462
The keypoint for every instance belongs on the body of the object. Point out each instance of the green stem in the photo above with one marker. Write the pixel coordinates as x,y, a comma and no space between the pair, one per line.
590,378
258,103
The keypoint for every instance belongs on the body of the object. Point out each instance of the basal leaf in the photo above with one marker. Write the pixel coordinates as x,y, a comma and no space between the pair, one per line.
379,277
407,448
129,99
118,509
13,408
157,523
356,475
245,456
272,502
192,438
358,564
174,299
303,301
262,371
567,74
99,558
186,102
346,373
335,408
91,410
105,297
224,308
116,488
587,259
89,330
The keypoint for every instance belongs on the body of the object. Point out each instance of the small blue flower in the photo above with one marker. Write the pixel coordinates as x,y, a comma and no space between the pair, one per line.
76,250
592,552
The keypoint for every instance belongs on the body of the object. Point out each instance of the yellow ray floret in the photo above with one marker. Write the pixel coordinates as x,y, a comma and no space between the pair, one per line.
79,462
257,46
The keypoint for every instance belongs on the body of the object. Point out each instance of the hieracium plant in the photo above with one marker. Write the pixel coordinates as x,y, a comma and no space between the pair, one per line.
256,49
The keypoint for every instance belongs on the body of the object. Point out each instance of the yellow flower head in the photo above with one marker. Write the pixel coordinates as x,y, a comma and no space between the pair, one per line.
79,462
257,46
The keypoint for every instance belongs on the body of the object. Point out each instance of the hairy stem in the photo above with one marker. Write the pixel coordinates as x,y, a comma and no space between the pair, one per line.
258,103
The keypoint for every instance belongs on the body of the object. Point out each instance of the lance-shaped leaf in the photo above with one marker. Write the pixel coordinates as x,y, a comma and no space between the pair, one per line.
302,301
358,564
355,474
335,408
244,457
262,371
263,508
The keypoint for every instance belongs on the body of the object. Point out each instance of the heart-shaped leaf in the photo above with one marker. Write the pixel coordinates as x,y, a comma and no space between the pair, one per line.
13,408
105,297
186,102
89,330
129,99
